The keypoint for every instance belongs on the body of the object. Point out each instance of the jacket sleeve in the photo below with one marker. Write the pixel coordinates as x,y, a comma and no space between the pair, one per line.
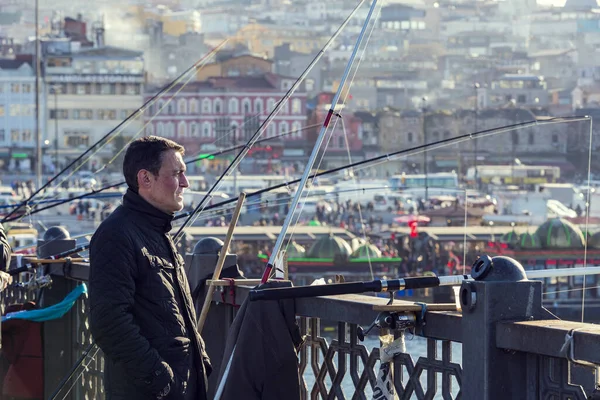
111,293
5,250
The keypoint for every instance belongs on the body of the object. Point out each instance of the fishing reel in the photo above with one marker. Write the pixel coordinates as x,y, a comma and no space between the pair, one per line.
389,320
34,283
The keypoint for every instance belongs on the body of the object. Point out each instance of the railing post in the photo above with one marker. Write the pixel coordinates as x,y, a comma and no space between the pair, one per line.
500,292
59,336
200,266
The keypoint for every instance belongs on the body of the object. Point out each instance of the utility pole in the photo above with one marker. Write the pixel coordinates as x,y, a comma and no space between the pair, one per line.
55,91
38,136
475,117
424,110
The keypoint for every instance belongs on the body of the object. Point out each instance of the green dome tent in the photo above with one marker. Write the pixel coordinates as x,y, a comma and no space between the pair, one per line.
530,241
367,251
560,233
330,247
294,250
511,238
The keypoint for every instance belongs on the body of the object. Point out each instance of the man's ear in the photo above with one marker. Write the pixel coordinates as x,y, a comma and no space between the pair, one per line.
144,178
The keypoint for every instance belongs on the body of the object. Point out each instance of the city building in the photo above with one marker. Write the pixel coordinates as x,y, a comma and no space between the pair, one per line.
90,91
223,110
17,115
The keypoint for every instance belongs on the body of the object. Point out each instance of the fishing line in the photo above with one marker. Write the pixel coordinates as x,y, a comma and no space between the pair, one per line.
111,132
587,217
352,174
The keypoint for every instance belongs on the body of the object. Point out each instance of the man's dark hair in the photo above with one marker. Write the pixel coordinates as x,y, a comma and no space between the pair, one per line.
146,153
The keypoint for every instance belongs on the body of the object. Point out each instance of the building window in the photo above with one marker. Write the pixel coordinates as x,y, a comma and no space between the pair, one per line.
234,106
258,106
522,99
296,128
161,109
160,129
1,111
341,142
15,87
206,129
182,130
218,106
246,106
193,106
515,138
181,106
26,88
171,108
234,131
194,132
105,88
149,129
104,114
81,89
446,134
14,135
296,106
309,85
26,136
555,139
271,130
283,127
132,89
2,135
531,138
270,105
170,130
206,106
410,137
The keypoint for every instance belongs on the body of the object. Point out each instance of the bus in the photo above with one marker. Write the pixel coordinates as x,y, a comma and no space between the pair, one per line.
514,174
442,180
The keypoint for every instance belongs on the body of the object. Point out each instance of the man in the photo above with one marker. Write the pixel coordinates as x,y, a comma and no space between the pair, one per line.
5,250
141,312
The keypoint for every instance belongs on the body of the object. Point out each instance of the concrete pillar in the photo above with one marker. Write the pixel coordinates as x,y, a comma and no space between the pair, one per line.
500,292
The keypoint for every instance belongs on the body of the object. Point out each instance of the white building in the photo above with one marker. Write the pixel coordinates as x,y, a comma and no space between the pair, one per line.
17,115
90,91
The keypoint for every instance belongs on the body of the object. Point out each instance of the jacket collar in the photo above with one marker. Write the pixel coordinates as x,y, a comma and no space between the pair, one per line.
152,215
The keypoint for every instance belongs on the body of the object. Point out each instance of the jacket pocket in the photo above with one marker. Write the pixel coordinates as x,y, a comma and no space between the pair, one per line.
160,276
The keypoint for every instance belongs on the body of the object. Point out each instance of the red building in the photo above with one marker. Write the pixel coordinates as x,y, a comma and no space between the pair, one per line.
229,109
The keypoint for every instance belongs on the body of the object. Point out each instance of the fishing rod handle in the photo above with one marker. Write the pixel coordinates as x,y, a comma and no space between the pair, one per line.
314,290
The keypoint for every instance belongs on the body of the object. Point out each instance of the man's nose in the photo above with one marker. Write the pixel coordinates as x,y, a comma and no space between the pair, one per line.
183,181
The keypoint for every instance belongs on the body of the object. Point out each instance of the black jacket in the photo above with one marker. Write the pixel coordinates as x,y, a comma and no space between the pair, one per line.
261,356
4,250
141,312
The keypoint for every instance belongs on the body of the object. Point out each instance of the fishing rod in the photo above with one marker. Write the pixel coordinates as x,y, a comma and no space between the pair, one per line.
121,183
237,159
388,156
105,138
393,285
316,148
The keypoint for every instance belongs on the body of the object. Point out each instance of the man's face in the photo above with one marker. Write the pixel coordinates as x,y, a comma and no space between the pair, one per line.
166,189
